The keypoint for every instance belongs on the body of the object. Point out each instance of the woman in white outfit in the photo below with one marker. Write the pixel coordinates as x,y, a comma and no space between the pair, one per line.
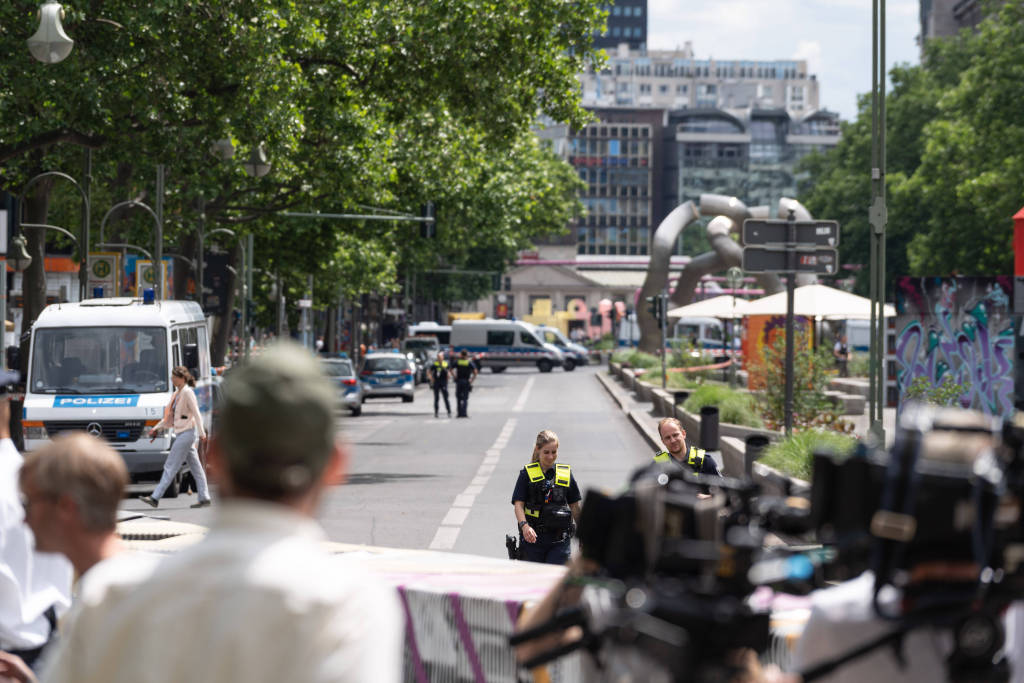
183,416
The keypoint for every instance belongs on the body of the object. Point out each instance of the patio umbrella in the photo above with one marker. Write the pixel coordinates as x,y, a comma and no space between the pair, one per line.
817,301
725,306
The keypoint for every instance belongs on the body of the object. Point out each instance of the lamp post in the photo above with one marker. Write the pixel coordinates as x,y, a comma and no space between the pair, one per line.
158,261
50,44
82,241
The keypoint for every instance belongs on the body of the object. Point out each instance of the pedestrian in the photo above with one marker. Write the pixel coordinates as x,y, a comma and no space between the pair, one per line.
546,500
259,599
438,371
35,585
693,459
465,374
71,488
841,353
183,415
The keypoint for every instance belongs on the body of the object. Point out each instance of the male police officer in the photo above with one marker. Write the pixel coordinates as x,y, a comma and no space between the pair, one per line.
465,373
439,382
674,437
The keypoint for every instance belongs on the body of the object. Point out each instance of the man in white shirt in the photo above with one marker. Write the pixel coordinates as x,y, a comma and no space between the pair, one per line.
259,599
35,587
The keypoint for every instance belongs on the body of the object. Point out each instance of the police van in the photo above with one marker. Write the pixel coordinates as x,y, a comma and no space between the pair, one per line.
503,343
103,366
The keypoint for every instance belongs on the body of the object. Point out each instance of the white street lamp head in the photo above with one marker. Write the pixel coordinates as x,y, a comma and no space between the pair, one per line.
50,44
223,149
257,165
17,254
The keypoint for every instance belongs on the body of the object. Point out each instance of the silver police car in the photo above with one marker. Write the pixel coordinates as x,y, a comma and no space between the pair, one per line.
387,375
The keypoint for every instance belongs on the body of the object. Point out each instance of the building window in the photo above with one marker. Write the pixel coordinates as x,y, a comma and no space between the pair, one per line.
682,89
663,89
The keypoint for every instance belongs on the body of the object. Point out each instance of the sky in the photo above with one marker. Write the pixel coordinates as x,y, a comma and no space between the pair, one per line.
834,36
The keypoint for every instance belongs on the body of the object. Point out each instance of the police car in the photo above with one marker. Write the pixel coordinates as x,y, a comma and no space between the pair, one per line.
350,390
387,375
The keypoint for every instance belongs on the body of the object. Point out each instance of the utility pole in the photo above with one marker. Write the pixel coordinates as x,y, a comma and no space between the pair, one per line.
877,217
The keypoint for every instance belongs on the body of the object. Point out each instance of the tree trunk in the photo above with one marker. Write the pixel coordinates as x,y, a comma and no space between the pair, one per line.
183,271
222,329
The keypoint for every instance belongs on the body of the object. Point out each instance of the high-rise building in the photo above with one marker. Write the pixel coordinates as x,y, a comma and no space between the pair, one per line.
947,17
627,24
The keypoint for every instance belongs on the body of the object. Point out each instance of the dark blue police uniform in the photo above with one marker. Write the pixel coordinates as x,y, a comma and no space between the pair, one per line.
546,497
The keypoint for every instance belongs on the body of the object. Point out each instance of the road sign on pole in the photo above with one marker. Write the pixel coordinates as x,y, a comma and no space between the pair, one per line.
769,260
808,233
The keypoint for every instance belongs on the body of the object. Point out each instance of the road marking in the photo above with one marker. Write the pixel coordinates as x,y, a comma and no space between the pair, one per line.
521,401
451,525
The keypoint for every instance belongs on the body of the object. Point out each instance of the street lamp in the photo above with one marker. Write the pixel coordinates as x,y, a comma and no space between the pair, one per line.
17,254
82,241
257,164
50,44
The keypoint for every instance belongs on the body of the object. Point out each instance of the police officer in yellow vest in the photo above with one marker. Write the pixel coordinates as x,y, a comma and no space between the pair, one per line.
439,382
465,374
547,504
674,437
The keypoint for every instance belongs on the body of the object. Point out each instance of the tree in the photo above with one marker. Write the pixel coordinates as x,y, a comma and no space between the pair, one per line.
385,103
955,165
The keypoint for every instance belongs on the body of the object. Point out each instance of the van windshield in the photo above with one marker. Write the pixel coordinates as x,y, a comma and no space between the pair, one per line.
99,360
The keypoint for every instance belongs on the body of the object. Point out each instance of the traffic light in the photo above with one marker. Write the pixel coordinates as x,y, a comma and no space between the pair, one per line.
654,307
428,227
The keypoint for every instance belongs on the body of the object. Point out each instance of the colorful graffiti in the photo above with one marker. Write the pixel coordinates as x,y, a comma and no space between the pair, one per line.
957,327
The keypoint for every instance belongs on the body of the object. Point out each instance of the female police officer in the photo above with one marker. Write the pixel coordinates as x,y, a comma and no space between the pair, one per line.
547,503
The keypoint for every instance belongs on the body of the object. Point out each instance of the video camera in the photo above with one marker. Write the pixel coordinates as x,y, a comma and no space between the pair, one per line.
670,601
939,518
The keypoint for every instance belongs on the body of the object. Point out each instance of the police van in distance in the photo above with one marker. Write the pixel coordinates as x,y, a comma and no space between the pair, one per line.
503,343
103,366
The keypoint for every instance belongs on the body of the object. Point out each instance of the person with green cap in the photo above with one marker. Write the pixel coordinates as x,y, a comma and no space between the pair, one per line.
259,599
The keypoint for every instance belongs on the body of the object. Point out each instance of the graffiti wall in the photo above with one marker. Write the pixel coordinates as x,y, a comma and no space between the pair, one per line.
960,328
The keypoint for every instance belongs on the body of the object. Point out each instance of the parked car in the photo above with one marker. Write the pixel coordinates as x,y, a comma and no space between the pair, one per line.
350,389
387,375
422,359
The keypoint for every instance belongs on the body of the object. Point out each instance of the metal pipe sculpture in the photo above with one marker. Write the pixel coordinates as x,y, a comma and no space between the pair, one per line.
729,214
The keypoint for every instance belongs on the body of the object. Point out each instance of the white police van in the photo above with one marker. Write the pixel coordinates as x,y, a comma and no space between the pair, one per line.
501,343
103,366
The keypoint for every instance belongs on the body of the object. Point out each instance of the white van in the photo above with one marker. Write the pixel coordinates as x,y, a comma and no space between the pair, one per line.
103,366
501,343
703,333
442,332
575,354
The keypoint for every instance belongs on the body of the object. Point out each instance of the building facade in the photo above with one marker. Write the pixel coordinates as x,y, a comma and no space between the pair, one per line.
627,23
669,128
940,18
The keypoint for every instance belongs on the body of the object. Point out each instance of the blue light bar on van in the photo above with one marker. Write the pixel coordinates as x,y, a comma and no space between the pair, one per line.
97,292
148,296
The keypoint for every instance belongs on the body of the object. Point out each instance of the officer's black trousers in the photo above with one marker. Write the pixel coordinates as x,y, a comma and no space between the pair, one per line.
546,550
441,389
462,396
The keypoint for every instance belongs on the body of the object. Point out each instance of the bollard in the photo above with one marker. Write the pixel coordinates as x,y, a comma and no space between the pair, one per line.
709,428
680,396
756,445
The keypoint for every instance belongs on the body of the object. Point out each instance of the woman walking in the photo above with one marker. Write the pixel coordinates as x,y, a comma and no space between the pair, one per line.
547,503
183,416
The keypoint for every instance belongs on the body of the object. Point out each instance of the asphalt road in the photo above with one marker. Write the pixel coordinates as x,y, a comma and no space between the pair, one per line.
446,484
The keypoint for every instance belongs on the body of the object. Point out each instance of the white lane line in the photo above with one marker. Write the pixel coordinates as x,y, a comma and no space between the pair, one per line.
521,401
451,525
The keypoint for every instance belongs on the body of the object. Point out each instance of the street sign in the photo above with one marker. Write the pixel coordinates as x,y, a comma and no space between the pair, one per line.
808,233
305,303
768,260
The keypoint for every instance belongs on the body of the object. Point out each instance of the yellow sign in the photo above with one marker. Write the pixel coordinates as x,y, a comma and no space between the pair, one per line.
103,270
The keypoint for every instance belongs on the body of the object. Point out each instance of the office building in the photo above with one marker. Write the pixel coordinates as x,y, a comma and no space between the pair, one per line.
627,23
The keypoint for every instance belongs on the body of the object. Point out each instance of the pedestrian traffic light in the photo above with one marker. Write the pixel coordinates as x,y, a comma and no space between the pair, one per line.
428,227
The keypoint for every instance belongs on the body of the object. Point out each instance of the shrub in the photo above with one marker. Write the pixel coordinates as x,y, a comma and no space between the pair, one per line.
605,343
637,359
941,394
795,455
734,407
859,365
811,407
